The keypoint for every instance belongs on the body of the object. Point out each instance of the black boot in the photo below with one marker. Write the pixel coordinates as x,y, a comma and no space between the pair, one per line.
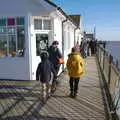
71,87
75,94
76,87
71,94
53,87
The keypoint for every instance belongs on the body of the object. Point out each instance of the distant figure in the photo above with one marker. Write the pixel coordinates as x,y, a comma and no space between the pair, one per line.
54,54
84,47
43,74
75,67
92,45
88,50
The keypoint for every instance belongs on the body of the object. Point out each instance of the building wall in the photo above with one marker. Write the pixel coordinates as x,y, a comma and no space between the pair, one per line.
34,59
78,36
57,34
68,39
54,34
25,68
16,67
58,31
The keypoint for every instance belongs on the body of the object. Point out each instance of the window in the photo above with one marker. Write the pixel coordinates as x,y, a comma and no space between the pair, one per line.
38,24
21,40
12,36
46,24
41,43
12,45
42,24
3,45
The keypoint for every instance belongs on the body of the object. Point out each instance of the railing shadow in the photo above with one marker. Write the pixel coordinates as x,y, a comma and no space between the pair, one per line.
11,91
30,117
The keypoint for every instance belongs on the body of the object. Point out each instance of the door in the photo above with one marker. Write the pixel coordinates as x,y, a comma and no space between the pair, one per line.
41,43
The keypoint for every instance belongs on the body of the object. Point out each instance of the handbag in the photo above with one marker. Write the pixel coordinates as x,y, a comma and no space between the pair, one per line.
60,60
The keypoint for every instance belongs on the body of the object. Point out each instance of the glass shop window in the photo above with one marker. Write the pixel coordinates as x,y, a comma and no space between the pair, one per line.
12,36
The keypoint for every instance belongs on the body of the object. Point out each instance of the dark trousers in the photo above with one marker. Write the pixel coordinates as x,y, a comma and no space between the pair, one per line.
54,82
74,84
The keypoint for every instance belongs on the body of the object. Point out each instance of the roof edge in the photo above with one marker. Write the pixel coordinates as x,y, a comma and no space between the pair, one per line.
61,10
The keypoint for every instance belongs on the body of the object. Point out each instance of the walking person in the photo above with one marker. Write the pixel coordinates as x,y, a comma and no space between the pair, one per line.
75,67
54,55
43,74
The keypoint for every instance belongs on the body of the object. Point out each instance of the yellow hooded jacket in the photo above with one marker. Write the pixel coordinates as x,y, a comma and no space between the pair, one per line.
75,65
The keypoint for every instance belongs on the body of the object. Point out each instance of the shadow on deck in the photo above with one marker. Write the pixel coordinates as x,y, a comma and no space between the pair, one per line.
21,100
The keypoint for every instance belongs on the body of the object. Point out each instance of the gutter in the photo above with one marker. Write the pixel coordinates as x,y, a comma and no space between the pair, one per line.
63,41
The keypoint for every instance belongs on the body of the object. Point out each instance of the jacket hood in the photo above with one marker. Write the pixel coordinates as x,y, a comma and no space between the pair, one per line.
75,65
44,56
74,55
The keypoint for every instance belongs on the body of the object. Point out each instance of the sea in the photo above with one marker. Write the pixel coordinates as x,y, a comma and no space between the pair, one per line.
113,48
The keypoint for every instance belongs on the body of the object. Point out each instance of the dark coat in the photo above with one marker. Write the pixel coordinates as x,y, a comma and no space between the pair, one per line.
53,54
44,70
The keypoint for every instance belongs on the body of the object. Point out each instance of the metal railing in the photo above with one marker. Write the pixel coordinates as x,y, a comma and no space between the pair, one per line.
111,75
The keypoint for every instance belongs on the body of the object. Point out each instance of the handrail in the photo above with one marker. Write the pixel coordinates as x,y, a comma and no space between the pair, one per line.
111,76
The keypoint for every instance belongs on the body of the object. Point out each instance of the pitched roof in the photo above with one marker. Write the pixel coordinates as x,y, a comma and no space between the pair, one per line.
60,9
76,19
50,2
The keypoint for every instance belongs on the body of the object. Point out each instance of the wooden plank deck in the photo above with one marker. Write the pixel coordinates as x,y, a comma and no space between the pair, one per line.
21,100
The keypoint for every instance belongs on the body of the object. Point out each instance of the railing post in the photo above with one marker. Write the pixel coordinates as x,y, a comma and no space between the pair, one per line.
97,51
109,72
100,55
117,63
103,59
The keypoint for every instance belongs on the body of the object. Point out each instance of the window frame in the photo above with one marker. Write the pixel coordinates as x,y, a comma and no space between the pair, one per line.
13,34
42,19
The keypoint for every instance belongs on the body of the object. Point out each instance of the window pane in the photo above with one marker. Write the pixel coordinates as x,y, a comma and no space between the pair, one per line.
21,40
12,38
3,45
2,22
20,21
12,45
3,30
41,43
11,21
38,24
46,24
11,30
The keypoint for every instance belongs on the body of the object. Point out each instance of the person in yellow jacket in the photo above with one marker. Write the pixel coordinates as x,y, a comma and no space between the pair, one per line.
75,67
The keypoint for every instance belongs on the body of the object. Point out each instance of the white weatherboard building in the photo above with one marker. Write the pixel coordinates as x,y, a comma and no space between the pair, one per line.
28,27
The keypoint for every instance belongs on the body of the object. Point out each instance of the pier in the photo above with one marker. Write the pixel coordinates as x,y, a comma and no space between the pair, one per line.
96,100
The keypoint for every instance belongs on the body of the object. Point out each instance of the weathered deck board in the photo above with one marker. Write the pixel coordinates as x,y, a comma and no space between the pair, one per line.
21,100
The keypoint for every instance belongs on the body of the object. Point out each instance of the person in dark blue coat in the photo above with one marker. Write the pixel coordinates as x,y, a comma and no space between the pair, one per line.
54,54
43,73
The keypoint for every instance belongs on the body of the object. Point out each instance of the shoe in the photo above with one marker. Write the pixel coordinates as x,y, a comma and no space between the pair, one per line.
53,89
74,95
71,95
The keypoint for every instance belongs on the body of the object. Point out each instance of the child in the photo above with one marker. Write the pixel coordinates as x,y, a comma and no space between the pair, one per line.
43,73
75,67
